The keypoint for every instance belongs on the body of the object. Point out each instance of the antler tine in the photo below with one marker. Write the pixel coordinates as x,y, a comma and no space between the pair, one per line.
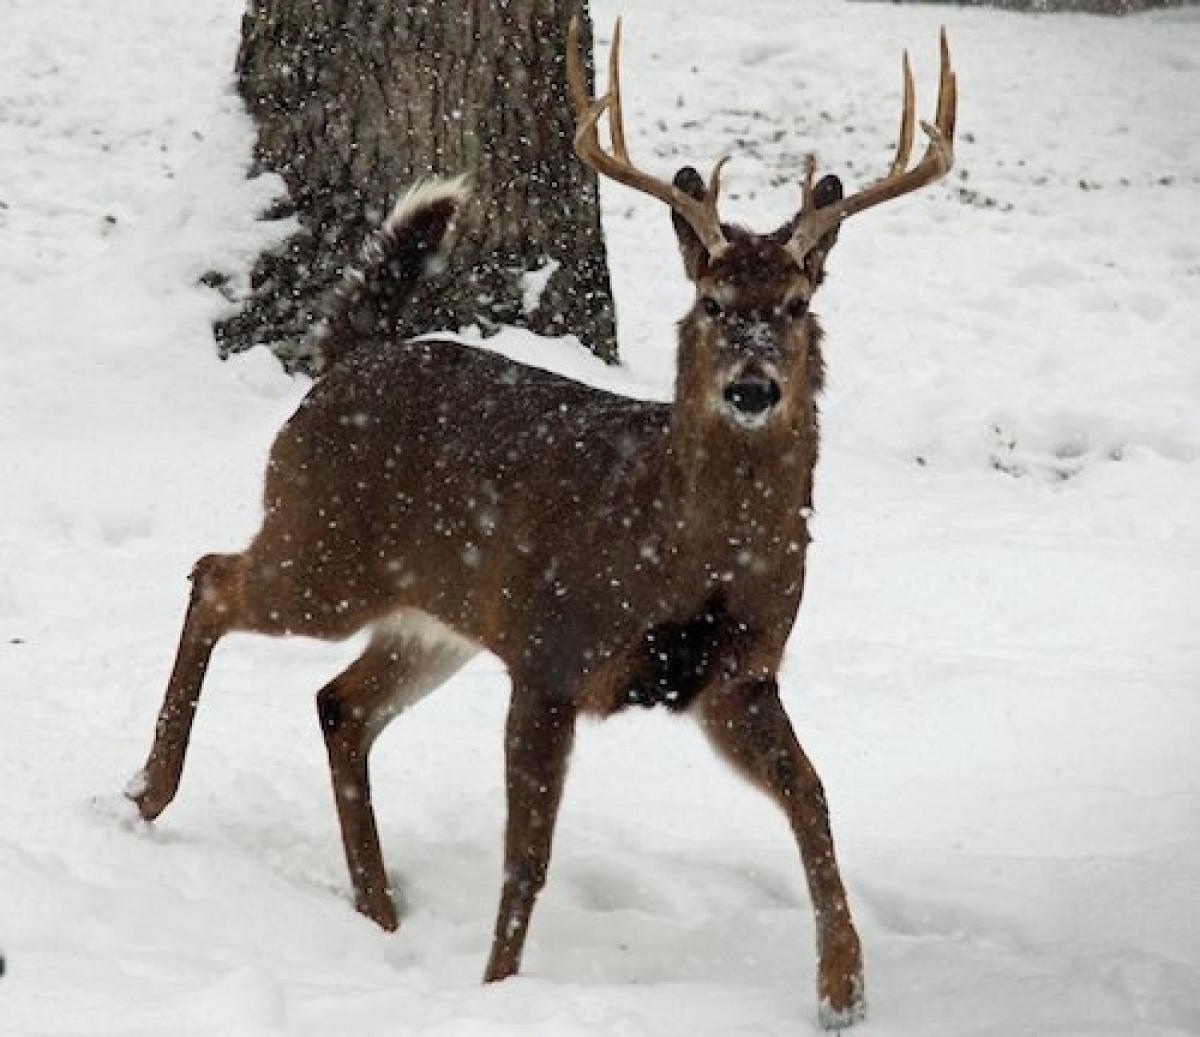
947,104
808,204
700,213
714,183
616,121
934,164
905,140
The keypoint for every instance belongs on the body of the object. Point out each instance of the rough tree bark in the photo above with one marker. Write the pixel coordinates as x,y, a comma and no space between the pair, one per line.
356,99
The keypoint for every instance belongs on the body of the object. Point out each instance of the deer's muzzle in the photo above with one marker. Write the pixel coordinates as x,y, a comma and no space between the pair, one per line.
751,397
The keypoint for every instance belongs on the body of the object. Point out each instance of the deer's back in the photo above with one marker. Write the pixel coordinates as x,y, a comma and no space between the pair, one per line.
438,476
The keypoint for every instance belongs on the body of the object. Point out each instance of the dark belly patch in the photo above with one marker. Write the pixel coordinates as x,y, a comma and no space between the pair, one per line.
676,661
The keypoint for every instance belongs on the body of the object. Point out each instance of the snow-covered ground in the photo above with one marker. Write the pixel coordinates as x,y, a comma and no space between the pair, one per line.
997,666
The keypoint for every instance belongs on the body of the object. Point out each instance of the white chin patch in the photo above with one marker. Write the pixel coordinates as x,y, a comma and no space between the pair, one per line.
742,419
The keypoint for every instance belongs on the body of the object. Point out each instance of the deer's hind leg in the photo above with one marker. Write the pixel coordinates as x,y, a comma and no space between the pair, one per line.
216,607
409,655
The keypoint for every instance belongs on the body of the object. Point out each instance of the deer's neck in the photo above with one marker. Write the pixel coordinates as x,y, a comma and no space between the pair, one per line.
747,490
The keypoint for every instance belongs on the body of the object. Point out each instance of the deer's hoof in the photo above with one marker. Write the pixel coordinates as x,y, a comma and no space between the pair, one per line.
841,1001
149,800
498,971
382,912
837,1019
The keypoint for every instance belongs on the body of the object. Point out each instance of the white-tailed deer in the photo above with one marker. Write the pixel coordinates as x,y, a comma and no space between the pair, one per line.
610,551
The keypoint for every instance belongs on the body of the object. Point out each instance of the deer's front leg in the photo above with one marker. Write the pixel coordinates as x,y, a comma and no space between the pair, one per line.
747,724
538,739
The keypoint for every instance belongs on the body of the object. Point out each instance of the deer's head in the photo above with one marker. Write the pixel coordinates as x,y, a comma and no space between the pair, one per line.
749,344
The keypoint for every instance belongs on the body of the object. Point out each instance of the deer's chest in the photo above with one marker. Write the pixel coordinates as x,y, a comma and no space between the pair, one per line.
672,661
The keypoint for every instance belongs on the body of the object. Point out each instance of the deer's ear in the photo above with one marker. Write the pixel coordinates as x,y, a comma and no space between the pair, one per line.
826,191
695,255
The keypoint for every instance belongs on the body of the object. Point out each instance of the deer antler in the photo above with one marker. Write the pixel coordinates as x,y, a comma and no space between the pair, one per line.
935,163
700,213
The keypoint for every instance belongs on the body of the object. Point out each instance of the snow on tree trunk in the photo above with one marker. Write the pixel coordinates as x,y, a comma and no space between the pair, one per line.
356,99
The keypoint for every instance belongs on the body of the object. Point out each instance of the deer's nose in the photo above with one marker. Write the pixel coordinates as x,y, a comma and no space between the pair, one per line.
753,394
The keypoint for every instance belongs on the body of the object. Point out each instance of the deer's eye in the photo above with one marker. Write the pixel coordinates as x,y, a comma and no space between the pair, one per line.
795,308
711,306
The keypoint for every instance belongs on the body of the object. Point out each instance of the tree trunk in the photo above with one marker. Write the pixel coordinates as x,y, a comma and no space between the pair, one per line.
357,99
